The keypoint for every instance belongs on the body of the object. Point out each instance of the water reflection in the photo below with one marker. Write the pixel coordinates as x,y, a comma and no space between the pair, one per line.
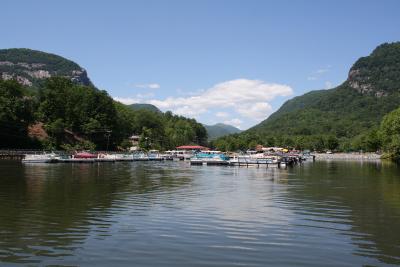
172,214
358,199
48,210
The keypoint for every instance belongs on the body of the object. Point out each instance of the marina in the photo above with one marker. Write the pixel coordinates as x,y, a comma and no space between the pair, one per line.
206,157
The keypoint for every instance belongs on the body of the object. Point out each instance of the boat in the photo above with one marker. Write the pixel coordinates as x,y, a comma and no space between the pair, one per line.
154,155
209,157
123,157
84,155
255,159
80,157
178,155
40,158
101,157
140,157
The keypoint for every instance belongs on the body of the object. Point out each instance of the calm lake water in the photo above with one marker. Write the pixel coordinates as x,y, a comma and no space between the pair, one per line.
172,214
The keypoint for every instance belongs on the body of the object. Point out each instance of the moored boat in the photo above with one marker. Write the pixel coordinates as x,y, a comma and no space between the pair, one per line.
39,158
209,158
255,159
80,157
154,155
101,157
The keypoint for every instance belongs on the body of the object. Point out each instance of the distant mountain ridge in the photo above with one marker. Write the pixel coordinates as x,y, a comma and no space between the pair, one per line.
140,106
31,67
220,129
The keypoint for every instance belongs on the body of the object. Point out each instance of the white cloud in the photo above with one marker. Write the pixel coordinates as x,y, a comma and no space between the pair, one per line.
320,71
127,100
222,114
145,96
315,75
241,95
328,85
148,85
257,111
138,98
234,122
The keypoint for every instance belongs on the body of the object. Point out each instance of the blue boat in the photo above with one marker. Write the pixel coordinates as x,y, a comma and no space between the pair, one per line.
209,158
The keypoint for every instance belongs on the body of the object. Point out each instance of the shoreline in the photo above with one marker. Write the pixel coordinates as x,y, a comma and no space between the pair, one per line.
348,156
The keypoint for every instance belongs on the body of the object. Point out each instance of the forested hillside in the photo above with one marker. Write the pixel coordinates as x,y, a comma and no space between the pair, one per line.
31,67
220,129
47,101
141,106
77,116
345,118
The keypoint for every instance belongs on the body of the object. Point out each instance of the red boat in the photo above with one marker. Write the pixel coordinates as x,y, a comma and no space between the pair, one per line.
84,155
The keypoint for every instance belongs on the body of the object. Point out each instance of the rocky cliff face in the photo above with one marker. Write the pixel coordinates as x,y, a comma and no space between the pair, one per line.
379,73
362,85
30,67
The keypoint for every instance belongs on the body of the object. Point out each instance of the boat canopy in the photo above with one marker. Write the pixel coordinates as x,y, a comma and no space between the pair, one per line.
84,155
192,147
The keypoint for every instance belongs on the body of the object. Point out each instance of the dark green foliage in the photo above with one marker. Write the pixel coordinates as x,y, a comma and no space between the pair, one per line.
16,113
220,129
390,131
84,110
159,130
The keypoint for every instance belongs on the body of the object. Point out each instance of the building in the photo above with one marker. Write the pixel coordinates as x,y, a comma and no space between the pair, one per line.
134,139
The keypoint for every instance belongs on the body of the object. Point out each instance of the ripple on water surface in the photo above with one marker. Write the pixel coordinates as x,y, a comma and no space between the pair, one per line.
172,214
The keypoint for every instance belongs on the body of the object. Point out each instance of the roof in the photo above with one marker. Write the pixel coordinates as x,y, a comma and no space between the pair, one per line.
192,147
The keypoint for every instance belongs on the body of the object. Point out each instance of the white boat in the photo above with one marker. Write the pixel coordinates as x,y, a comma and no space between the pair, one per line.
179,154
40,158
140,157
123,157
255,159
105,157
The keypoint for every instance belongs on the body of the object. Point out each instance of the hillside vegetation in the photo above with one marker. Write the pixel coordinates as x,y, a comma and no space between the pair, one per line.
220,129
83,117
31,67
142,106
344,118
46,102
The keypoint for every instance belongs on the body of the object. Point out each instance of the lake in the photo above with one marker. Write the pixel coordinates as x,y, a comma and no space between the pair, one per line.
324,213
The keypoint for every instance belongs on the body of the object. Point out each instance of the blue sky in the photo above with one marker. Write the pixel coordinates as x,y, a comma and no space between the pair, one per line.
216,61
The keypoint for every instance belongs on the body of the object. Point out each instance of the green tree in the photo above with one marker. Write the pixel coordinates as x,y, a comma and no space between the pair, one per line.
390,131
332,142
16,113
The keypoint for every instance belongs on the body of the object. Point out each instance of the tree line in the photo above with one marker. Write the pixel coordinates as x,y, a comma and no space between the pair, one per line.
384,138
82,117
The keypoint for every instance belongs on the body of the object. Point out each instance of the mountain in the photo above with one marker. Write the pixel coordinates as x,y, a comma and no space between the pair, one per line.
346,115
31,67
139,106
220,129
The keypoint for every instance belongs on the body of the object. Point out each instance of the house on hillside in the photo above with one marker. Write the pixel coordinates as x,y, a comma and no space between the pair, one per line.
134,139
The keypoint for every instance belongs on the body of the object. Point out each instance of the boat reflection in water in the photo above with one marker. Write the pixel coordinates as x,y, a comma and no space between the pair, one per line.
173,214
